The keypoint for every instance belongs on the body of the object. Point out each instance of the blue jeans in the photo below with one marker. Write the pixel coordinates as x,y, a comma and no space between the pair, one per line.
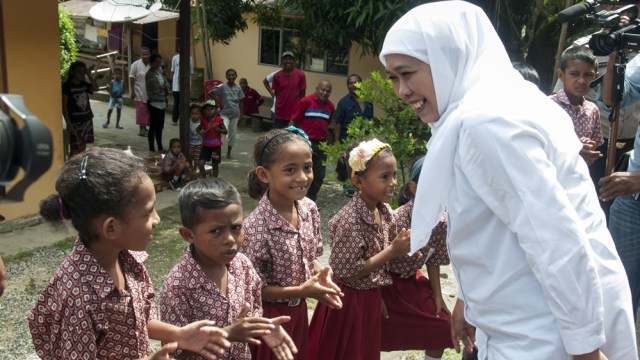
624,225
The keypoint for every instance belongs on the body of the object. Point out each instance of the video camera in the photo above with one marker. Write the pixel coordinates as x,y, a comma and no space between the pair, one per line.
29,148
612,37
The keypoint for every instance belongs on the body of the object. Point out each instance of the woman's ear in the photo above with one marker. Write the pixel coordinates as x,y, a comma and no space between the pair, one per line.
262,174
187,234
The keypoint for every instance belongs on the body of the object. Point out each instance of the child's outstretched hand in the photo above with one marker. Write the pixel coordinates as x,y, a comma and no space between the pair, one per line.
402,243
204,338
326,281
314,288
249,329
163,353
279,341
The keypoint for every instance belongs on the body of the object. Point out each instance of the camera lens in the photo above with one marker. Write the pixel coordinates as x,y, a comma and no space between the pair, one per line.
603,44
7,128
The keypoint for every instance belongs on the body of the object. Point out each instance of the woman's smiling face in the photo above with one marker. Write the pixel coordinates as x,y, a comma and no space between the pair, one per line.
413,83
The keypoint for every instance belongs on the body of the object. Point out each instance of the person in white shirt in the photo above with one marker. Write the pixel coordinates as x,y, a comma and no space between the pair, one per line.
175,85
538,273
138,89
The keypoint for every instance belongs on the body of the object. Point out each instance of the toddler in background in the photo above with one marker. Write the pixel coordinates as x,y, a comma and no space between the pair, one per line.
100,302
115,88
211,128
174,165
213,280
195,138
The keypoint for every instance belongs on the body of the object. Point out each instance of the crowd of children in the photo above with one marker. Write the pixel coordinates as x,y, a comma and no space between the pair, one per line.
240,290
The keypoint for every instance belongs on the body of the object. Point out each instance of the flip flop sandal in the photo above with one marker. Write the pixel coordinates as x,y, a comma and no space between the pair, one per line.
119,127
105,125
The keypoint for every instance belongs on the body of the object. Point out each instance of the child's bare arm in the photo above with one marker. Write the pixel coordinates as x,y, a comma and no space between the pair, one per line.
433,272
201,337
222,128
399,246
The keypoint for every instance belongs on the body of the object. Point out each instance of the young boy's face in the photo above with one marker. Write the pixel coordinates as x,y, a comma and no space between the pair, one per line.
210,111
576,77
217,237
118,75
195,114
176,148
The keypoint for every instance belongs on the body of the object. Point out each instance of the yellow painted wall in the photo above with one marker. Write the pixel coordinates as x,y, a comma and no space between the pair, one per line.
33,70
242,55
167,42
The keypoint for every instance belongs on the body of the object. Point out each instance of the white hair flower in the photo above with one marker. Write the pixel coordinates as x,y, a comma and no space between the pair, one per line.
361,154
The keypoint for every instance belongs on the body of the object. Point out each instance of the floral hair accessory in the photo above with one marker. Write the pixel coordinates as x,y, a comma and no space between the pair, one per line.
365,151
298,131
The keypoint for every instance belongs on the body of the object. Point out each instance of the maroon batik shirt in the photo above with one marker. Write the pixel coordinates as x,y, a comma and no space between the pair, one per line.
188,296
355,237
81,314
283,255
434,253
585,117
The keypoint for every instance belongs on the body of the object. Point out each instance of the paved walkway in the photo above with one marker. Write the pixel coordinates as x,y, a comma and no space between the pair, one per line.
234,170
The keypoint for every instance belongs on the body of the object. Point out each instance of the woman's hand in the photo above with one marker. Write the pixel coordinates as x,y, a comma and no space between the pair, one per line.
461,330
248,329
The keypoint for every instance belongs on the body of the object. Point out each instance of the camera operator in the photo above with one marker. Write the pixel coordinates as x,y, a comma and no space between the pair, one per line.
624,187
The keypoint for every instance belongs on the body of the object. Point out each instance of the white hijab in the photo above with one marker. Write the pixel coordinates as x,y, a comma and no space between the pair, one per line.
474,81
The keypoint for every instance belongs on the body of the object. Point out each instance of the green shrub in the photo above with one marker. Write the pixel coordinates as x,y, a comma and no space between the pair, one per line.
398,125
68,48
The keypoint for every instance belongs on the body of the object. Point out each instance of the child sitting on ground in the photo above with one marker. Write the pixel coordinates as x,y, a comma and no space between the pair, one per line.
100,302
115,88
211,128
213,280
174,165
578,68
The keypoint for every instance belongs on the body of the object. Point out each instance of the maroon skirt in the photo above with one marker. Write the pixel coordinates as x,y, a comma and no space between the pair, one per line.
412,322
352,333
297,328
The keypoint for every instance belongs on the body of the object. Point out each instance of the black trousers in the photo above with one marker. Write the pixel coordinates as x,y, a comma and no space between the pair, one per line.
279,123
319,169
599,167
156,125
175,114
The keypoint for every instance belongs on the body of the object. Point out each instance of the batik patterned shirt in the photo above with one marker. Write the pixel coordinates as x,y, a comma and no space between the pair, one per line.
283,255
434,253
81,314
354,237
585,117
188,296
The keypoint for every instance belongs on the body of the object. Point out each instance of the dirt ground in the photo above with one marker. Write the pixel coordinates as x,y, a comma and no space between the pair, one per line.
33,254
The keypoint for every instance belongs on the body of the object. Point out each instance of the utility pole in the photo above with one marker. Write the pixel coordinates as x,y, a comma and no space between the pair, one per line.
185,73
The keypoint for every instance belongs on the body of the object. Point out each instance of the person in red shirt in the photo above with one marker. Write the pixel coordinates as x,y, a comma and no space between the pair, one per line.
313,115
289,86
252,99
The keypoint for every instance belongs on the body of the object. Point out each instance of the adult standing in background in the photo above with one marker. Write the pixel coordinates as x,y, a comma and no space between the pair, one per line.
351,107
289,85
267,85
138,89
231,95
157,92
539,276
175,85
313,115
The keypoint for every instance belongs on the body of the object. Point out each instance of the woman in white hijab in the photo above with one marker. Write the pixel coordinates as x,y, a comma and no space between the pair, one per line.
538,273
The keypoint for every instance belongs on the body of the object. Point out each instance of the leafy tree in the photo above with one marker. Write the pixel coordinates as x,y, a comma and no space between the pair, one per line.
68,48
397,124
